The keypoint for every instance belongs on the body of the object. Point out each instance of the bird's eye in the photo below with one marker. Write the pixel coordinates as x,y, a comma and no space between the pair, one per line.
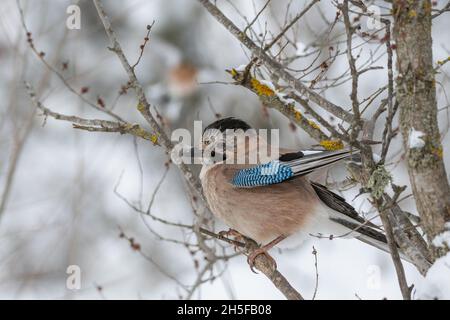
206,142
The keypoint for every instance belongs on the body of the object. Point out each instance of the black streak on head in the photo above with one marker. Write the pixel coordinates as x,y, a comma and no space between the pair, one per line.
228,123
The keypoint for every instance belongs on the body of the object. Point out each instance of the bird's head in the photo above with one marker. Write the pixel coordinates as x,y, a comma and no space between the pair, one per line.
228,139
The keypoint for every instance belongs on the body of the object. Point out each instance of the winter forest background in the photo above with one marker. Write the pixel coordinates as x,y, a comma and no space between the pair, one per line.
67,195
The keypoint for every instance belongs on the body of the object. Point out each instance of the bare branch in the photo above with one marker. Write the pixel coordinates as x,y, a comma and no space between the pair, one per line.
274,66
406,292
144,105
93,125
289,25
257,16
41,57
446,8
356,125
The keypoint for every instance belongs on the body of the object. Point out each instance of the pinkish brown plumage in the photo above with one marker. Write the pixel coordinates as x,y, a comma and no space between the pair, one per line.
262,213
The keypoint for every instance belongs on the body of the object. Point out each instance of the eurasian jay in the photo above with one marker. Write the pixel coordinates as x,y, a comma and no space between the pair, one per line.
275,198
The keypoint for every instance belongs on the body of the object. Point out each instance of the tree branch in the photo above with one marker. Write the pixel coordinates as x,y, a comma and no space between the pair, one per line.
92,125
144,105
274,66
289,25
356,123
416,95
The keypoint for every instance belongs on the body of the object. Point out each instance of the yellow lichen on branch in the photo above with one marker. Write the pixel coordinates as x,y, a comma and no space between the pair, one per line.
313,124
154,138
261,89
141,107
441,62
427,7
412,14
438,152
298,115
332,144
138,131
269,97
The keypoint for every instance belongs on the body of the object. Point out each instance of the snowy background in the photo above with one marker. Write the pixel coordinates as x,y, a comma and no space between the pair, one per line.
61,208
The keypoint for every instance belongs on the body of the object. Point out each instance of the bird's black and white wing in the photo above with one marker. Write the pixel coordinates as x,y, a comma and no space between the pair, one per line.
289,165
347,216
305,162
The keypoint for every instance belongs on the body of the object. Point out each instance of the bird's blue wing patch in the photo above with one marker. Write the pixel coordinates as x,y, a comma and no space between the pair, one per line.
262,175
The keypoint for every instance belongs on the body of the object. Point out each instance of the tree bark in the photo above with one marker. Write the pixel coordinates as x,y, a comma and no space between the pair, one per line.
418,111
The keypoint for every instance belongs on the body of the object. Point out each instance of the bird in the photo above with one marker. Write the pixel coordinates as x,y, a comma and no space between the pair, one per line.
276,197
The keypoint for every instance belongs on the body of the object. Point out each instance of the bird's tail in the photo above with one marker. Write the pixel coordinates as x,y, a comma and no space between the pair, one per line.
345,215
368,235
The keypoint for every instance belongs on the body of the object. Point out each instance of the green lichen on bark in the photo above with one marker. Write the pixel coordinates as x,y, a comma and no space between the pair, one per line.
378,181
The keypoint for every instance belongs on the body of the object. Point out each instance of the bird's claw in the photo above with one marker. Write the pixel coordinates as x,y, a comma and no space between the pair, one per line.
232,233
252,256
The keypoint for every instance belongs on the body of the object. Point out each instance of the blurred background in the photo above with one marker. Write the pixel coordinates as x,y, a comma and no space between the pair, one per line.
62,190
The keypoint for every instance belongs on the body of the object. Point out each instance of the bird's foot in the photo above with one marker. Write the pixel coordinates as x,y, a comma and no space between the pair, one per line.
252,256
264,250
231,233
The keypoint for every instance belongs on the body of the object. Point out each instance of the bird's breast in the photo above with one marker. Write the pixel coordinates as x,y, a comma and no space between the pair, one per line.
261,213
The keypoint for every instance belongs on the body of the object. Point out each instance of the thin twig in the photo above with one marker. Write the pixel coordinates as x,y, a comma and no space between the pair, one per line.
144,105
41,57
142,48
256,17
314,252
356,123
289,25
406,292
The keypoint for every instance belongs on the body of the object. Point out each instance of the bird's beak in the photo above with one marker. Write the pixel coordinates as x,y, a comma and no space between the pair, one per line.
196,155
193,155
212,157
186,154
